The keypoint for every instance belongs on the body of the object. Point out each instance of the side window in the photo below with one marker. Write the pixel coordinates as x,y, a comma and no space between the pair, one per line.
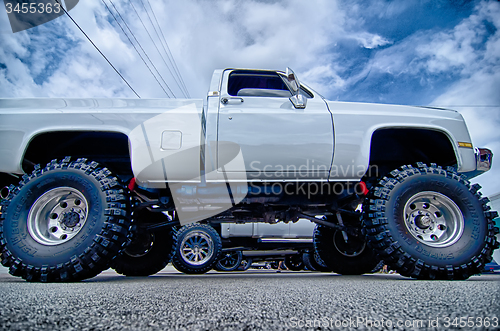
257,84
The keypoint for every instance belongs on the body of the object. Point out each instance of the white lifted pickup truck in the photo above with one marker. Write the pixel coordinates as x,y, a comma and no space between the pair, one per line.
134,184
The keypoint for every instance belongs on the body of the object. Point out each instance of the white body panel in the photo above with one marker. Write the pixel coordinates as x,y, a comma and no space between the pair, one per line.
355,123
23,119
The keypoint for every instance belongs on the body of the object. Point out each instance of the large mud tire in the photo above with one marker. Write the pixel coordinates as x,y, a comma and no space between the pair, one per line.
354,257
148,253
197,248
313,262
430,223
64,222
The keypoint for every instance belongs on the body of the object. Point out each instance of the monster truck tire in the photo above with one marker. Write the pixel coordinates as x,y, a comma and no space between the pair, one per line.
294,262
148,253
313,262
197,248
429,223
352,258
230,261
64,222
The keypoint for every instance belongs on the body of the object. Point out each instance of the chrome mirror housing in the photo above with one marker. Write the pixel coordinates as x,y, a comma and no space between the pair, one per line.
298,100
293,80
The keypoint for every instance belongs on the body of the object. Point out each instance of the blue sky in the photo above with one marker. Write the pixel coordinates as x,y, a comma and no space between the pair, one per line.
416,52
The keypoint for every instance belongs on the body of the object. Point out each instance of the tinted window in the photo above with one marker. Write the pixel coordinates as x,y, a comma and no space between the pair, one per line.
243,79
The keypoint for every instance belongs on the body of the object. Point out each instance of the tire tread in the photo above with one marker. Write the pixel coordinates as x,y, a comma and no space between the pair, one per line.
177,261
106,245
381,239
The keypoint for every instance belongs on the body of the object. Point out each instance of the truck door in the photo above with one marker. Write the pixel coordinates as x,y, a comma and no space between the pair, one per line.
277,140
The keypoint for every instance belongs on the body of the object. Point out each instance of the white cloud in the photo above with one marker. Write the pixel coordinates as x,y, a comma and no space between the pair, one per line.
202,36
462,49
479,83
369,40
324,78
481,89
455,49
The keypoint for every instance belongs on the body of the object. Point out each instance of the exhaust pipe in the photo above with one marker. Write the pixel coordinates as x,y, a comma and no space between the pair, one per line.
4,192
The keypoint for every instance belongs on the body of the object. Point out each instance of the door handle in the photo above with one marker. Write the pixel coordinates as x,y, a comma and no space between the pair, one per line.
226,100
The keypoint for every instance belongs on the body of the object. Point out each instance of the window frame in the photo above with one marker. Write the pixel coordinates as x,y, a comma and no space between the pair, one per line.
306,92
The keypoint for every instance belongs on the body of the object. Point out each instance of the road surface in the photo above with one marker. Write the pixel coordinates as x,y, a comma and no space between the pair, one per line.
252,300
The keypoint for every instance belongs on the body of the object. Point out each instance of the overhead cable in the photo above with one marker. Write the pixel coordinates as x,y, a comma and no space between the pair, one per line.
133,45
97,48
168,52
152,40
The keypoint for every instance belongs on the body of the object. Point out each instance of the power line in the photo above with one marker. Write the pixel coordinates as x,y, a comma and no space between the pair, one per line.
134,45
152,40
169,53
97,48
154,28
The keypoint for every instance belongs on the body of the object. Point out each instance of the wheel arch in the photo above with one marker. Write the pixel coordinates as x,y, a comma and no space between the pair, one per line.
391,147
110,148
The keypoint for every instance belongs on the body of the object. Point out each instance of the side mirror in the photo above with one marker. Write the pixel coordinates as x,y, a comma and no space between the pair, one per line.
298,100
293,80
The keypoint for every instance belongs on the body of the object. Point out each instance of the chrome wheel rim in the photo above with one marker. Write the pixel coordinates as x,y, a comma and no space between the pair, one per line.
57,216
434,219
197,248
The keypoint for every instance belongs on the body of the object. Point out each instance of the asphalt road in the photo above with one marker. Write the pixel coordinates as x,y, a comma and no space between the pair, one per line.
260,300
